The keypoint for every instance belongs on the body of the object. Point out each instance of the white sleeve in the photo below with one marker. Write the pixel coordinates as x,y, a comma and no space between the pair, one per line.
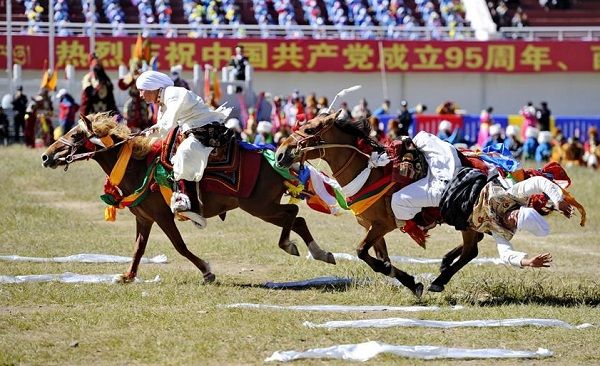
174,100
506,252
537,185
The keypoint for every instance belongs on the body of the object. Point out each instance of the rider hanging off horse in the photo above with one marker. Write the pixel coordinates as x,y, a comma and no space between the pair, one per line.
202,130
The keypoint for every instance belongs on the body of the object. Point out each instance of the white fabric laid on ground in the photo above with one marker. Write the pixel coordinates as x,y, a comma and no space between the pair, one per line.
69,277
366,351
313,282
404,322
339,308
415,260
85,258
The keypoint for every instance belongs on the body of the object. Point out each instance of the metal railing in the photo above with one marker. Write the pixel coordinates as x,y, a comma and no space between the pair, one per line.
299,32
243,31
551,33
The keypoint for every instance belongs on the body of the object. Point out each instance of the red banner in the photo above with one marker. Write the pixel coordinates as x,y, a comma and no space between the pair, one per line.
284,55
430,122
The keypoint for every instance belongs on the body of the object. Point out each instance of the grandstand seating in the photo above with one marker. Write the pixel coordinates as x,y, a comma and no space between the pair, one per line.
362,13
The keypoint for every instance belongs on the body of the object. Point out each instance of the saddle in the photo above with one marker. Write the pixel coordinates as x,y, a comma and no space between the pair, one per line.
230,171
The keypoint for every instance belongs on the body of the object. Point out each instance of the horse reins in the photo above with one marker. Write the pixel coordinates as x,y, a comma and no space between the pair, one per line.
304,138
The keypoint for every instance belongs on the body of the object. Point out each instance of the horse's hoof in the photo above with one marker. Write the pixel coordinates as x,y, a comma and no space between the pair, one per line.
330,258
418,290
209,278
125,278
290,248
435,288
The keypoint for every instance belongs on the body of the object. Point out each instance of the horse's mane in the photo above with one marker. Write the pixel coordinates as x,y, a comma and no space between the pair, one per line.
105,124
360,128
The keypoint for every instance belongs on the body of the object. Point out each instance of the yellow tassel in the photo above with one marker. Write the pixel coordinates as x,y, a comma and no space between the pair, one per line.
110,213
294,201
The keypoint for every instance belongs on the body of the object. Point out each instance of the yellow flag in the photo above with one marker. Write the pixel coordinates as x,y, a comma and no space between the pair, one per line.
216,88
138,49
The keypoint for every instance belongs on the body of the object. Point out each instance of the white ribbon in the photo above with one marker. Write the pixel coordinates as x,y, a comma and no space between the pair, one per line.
69,277
376,160
339,308
84,258
404,322
366,351
415,260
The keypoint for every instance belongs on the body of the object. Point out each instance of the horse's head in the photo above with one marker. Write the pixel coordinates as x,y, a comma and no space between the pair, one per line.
303,143
78,142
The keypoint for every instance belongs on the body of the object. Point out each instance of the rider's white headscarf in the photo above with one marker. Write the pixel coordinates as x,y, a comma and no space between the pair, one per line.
530,220
153,80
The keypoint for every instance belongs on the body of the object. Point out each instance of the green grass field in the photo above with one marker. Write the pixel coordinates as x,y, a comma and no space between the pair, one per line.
178,322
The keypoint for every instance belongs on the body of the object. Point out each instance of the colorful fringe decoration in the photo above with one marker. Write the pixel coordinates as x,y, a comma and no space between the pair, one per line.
112,194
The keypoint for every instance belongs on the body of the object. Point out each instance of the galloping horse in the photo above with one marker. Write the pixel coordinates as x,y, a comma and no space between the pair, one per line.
85,141
335,141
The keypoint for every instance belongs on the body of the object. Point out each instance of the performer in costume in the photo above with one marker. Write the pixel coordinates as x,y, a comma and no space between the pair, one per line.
199,125
97,90
136,111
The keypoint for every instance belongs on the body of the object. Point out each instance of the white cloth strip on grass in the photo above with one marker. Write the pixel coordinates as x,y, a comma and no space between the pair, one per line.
85,258
404,322
338,308
69,277
415,260
366,351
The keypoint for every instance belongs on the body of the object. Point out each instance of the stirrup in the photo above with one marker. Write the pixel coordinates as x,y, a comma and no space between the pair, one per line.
400,224
198,220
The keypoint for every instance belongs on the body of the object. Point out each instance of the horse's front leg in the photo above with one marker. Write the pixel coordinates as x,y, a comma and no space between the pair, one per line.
315,250
167,224
143,227
375,235
469,251
450,257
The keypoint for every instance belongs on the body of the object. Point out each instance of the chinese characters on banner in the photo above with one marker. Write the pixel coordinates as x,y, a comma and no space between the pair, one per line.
286,55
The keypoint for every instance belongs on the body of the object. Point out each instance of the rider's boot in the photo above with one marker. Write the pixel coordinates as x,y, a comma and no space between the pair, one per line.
182,206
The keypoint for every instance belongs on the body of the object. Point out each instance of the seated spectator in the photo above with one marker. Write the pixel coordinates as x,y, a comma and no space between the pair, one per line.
393,130
531,143
361,110
444,130
376,131
513,142
592,148
384,109
264,133
543,152
573,151
495,136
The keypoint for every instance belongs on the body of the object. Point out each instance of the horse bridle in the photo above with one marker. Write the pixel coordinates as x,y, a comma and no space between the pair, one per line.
91,143
320,145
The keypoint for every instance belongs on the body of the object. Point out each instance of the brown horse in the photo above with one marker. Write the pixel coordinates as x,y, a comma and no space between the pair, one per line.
85,141
335,141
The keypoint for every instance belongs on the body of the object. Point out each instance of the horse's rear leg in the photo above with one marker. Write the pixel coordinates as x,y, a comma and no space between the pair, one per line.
143,227
469,251
168,226
375,235
280,215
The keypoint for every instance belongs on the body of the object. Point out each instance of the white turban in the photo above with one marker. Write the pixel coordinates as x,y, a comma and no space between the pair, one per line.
530,220
495,129
445,126
153,80
264,127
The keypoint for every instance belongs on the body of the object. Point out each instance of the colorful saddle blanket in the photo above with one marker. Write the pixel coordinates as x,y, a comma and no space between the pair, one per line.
231,170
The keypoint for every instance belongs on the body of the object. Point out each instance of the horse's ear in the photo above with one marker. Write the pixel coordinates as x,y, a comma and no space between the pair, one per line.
86,125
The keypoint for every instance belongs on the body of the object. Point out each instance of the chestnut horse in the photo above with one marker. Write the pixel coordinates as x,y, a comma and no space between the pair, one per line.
84,141
335,141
